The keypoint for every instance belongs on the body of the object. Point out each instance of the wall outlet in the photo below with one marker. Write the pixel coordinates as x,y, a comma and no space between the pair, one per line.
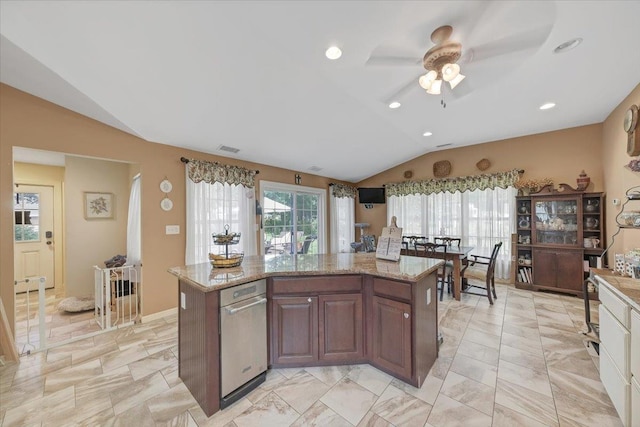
172,229
429,296
183,301
616,202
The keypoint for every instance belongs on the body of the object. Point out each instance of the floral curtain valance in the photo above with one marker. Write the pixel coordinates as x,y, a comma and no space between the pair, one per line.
211,172
451,185
342,191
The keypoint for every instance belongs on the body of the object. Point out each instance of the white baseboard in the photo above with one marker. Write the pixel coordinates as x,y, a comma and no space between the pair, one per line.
160,314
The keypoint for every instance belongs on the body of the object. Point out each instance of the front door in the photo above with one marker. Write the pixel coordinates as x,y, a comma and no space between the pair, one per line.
33,235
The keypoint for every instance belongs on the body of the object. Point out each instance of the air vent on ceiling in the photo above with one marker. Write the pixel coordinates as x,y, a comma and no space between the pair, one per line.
315,168
443,145
228,149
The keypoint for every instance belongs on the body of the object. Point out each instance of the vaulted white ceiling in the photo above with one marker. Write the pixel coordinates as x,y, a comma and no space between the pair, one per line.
253,75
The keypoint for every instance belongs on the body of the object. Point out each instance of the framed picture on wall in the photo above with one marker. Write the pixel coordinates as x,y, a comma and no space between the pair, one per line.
99,205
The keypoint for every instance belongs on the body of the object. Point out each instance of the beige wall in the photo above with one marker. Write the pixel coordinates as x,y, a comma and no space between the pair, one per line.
618,178
559,155
91,242
30,122
53,176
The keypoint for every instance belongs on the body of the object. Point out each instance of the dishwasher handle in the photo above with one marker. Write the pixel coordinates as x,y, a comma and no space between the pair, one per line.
244,307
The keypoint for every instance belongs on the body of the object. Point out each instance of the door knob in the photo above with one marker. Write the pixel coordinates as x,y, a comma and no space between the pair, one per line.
309,300
406,315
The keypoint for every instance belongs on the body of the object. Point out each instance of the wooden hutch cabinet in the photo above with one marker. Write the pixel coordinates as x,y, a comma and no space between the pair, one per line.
560,233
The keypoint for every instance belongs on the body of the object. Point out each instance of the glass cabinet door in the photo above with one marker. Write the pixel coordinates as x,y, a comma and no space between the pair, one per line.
556,222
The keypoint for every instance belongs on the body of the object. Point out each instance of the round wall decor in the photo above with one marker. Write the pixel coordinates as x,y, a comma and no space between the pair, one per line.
441,168
166,204
166,186
483,164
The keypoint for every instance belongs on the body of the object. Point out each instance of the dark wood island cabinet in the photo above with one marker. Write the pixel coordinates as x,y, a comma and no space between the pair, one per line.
321,310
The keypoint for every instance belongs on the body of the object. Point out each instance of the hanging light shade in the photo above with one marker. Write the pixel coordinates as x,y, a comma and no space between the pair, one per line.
427,80
454,82
435,88
450,72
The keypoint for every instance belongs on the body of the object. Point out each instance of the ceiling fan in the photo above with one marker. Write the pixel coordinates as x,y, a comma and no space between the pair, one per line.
444,61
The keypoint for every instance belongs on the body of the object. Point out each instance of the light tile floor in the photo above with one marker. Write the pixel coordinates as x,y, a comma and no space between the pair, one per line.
520,362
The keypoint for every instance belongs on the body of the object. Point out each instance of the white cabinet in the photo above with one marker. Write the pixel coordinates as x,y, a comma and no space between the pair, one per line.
635,368
616,360
635,402
635,348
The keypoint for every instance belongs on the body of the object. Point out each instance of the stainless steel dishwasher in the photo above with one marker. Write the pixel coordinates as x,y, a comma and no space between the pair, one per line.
243,340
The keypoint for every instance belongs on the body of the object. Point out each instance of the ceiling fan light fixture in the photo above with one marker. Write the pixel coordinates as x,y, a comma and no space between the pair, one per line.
435,88
450,72
333,53
427,80
454,82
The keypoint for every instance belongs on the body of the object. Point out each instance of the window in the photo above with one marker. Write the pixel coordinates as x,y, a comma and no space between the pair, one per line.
294,218
210,207
342,223
27,214
481,218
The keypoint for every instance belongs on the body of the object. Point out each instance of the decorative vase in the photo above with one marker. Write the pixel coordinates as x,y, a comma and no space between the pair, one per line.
583,181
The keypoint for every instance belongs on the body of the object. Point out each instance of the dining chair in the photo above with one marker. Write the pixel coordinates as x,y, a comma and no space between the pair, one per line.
434,250
408,242
490,284
449,241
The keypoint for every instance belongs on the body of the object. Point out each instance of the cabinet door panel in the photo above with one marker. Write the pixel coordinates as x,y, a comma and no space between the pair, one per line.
569,270
392,336
340,332
545,268
294,330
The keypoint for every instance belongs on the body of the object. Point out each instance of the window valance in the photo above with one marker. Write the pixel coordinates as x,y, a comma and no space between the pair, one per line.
211,172
342,191
451,185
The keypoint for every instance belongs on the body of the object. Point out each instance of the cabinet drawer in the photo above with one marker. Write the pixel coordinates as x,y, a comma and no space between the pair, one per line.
616,339
392,289
615,305
317,284
635,347
618,389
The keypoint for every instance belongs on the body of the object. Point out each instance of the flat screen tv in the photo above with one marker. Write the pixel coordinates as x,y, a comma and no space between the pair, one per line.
371,195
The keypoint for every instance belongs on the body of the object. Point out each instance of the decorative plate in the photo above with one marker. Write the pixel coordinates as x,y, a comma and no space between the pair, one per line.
166,204
165,186
442,168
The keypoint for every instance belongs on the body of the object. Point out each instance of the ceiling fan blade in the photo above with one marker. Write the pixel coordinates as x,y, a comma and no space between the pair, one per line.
393,61
508,45
404,89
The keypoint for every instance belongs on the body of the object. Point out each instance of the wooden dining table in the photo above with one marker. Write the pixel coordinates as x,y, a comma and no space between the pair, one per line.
455,254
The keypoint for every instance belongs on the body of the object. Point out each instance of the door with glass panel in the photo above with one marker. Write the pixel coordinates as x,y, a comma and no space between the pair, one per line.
293,222
33,235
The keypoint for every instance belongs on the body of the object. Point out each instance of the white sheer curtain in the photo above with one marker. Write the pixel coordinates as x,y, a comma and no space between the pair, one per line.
410,214
209,208
342,217
134,239
481,218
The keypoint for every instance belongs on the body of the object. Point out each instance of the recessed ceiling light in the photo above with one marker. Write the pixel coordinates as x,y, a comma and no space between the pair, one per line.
333,52
568,45
547,106
394,105
427,133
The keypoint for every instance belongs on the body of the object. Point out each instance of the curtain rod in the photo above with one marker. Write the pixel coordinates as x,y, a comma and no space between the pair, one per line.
185,161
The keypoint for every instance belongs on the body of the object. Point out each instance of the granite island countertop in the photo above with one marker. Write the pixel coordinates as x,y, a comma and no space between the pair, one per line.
626,287
255,267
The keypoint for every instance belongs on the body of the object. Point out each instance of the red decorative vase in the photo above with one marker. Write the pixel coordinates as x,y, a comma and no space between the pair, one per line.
583,181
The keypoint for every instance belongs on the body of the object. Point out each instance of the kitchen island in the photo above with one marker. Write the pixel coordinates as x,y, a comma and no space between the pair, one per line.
321,310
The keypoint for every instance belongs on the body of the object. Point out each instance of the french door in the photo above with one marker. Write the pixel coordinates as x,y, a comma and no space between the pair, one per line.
293,219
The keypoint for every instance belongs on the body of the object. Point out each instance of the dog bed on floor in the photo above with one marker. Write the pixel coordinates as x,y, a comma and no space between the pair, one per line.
75,304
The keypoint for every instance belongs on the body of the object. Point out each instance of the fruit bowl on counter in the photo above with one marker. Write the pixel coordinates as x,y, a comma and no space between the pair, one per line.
226,261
